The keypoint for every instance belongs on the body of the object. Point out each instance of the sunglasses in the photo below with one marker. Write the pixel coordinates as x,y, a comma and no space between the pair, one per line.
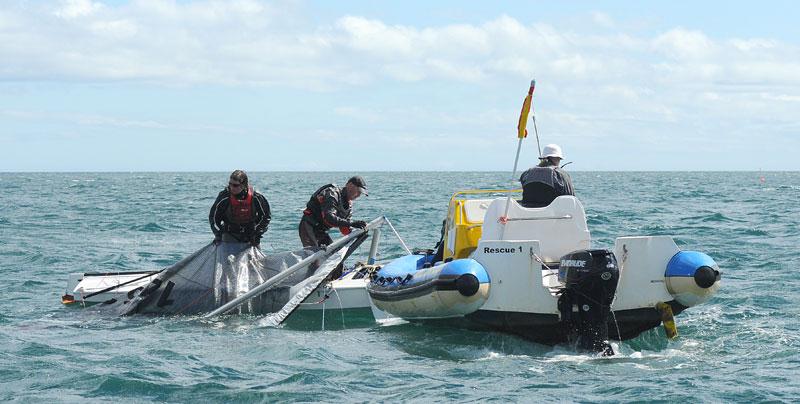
234,185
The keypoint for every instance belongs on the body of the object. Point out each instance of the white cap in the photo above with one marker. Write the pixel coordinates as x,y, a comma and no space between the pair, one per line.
552,150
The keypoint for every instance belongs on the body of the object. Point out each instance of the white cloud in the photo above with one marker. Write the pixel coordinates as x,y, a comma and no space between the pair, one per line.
375,38
251,42
111,122
781,97
777,71
116,29
748,45
600,78
70,9
577,66
682,44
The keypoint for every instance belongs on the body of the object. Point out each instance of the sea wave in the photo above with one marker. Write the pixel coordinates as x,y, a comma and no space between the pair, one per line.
748,329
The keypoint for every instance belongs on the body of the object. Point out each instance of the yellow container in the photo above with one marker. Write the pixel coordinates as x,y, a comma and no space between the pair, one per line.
463,226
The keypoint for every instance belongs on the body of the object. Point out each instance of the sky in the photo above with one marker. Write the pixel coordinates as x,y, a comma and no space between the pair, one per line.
151,85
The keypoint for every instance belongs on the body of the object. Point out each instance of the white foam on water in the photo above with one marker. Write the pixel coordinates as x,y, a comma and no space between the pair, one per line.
493,355
622,353
391,321
537,370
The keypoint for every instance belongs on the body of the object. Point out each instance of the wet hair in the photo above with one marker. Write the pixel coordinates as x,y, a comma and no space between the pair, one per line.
240,176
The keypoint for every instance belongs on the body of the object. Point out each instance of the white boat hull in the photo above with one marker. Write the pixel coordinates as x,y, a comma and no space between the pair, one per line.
93,288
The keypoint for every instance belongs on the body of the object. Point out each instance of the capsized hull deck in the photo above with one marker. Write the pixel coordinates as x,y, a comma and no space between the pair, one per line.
347,292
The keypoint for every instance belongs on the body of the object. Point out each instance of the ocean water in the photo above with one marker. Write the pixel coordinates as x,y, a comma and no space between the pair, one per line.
742,345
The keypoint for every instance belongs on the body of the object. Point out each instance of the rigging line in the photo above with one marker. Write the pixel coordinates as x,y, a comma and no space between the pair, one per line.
199,267
541,261
616,324
118,285
535,129
208,255
208,289
405,247
190,278
341,309
325,296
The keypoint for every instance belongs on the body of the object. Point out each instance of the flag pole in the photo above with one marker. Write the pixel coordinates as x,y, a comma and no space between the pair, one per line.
522,133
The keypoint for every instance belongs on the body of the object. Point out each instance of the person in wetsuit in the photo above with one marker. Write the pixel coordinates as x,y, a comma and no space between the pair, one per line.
329,207
239,214
543,183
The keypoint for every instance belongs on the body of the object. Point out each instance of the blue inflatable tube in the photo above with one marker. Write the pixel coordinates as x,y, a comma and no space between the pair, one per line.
411,287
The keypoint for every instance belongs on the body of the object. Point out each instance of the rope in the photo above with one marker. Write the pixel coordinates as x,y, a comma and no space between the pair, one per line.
541,261
536,130
341,309
619,334
405,247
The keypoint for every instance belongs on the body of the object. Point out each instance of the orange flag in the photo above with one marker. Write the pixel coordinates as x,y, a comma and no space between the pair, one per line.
522,132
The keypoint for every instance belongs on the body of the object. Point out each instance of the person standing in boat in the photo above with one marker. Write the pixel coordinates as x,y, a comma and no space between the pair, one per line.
543,183
329,207
239,214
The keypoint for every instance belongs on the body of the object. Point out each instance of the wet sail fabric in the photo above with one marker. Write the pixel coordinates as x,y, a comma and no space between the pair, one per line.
303,290
217,274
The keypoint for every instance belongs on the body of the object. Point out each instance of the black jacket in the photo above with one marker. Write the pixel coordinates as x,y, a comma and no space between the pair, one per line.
221,221
541,185
329,207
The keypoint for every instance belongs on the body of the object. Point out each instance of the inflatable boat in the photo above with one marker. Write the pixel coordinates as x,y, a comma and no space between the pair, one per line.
534,272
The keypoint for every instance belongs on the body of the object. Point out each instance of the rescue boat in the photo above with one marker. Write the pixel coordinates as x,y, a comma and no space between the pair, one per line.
534,272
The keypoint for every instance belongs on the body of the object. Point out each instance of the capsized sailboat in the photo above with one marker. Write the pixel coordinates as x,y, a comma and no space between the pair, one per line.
229,277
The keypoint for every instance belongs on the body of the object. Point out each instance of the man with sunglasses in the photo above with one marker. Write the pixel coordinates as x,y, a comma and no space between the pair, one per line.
329,207
239,214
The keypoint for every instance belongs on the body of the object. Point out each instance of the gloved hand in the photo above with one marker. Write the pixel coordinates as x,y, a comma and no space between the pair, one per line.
359,224
217,240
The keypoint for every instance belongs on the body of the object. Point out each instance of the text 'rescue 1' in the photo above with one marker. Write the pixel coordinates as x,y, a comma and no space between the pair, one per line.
502,250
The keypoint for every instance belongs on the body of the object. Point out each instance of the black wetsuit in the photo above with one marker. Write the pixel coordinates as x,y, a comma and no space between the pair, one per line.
541,185
222,221
327,208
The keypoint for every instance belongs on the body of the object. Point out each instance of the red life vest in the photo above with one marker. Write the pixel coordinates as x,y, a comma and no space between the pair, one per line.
314,209
241,212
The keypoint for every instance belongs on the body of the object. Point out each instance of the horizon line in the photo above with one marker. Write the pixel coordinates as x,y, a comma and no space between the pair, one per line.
380,171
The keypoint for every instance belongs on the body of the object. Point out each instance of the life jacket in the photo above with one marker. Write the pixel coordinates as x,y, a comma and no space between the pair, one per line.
313,211
241,211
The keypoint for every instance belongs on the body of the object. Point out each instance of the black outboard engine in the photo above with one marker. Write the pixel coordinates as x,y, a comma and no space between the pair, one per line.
590,278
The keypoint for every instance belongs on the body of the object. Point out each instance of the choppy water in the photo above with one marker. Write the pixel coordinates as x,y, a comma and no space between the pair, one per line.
743,345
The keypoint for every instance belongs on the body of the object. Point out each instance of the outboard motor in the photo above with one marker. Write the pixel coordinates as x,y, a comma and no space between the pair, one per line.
590,278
